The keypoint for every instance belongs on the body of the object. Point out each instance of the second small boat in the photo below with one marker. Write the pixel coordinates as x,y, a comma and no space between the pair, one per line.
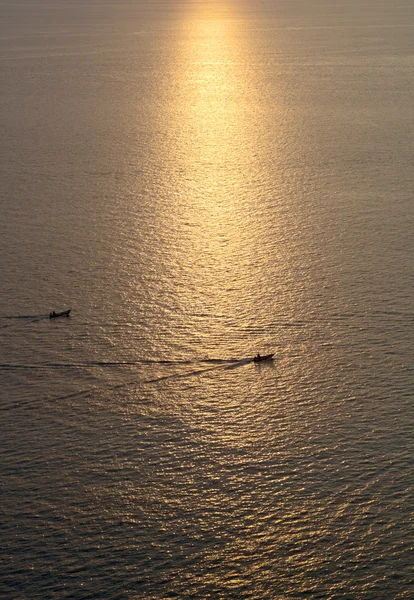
259,358
64,313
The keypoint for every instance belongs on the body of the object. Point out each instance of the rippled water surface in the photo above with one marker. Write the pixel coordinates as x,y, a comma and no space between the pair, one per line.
199,182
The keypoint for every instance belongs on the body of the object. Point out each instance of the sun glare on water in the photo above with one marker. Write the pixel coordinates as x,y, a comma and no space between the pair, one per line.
212,177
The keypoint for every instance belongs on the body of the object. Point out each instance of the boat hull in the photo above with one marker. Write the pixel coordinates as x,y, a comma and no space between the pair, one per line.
258,359
64,313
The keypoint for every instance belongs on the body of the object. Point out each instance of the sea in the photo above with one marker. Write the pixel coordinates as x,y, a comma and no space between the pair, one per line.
200,181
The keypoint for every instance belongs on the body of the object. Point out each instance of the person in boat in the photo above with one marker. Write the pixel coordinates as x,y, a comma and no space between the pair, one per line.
258,356
52,314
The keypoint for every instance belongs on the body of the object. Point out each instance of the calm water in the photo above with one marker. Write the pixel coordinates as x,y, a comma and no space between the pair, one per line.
200,181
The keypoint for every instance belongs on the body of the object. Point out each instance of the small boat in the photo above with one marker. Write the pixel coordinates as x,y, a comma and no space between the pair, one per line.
259,358
64,313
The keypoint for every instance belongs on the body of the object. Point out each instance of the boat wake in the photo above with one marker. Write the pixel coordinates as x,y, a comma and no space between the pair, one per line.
217,365
192,373
200,368
14,320
232,363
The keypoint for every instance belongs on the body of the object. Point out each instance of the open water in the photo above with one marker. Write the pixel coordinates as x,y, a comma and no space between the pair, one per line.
198,182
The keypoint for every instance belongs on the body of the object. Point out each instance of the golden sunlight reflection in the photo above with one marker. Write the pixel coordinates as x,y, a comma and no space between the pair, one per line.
212,177
211,156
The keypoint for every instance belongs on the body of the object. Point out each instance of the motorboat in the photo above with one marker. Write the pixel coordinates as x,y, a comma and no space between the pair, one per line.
63,313
259,358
